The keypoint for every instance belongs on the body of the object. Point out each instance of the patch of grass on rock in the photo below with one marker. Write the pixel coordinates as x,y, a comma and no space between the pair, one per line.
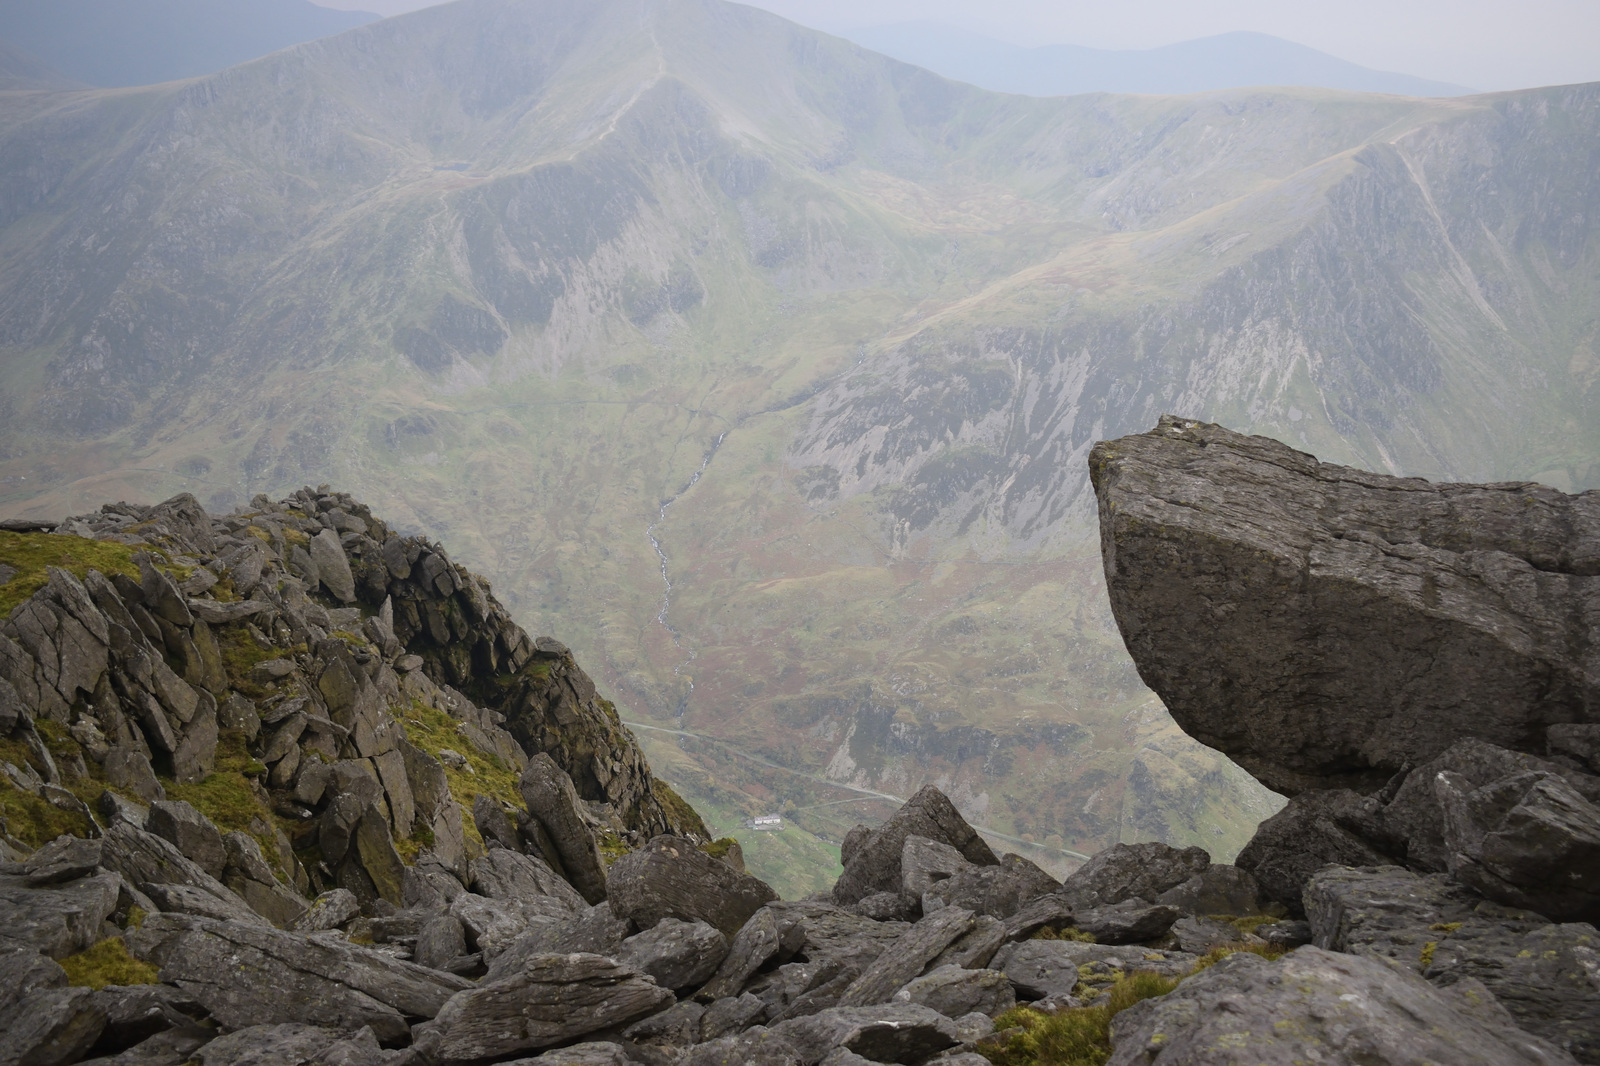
108,963
31,555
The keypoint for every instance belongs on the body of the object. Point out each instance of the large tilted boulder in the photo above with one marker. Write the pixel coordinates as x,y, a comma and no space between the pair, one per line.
1318,1006
1326,627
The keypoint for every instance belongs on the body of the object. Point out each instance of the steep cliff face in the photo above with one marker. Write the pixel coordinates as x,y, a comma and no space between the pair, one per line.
303,674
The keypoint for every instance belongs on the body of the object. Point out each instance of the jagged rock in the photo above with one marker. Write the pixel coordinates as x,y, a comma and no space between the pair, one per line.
899,1032
1199,935
1528,840
190,832
998,891
872,858
671,878
1543,973
1581,741
334,908
332,568
493,925
731,1014
1050,968
508,875
66,858
114,808
51,1027
157,868
888,907
1412,826
757,941
442,938
954,991
677,954
1316,829
1047,912
171,1047
907,957
246,974
756,1046
137,1012
974,948
128,768
1128,871
60,918
551,798
493,824
676,1027
1220,889
1353,624
286,1043
924,862
23,969
594,1053
552,1000
595,930
1132,921
1319,1006
1285,935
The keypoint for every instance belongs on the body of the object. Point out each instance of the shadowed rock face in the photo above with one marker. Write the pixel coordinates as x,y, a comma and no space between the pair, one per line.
1328,627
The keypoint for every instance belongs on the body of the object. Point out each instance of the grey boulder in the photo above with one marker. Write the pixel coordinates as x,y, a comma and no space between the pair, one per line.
1132,921
60,918
907,957
954,991
1052,969
671,878
898,1032
756,1046
552,1000
1327,627
551,798
1316,1006
1128,871
676,953
871,857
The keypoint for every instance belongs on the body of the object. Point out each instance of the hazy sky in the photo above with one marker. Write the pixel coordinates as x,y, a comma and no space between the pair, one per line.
1487,44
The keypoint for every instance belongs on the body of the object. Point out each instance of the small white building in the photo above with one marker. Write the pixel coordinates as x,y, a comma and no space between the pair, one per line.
766,823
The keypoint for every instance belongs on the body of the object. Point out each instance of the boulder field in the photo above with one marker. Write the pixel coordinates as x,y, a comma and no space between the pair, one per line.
284,786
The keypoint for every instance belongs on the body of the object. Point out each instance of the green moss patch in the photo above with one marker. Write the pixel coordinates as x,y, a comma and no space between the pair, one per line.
108,963
36,821
486,775
31,555
679,811
1080,1037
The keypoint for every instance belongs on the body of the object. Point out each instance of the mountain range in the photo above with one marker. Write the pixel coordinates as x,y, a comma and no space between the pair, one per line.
118,42
1225,61
762,369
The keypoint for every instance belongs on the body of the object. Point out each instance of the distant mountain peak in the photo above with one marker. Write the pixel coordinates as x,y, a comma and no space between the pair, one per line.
1240,59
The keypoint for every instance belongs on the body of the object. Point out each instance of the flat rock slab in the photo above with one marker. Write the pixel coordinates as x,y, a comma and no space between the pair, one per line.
250,975
1317,1006
1129,871
59,919
907,957
552,1000
1326,627
954,991
676,953
899,1032
281,1044
1040,969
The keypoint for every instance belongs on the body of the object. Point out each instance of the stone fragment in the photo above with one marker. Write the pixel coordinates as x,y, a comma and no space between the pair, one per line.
493,824
135,1013
191,832
595,930
442,938
907,957
509,875
548,792
924,862
66,858
899,1032
332,909
888,907
552,1000
671,877
974,948
1220,889
872,859
756,942
757,1046
1199,935
731,1014
51,1027
1047,912
285,1043
58,919
1315,1005
594,1053
128,768
998,891
1527,840
954,991
1326,627
678,954
493,925
676,1027
1316,829
333,568
1128,871
1040,969
1132,921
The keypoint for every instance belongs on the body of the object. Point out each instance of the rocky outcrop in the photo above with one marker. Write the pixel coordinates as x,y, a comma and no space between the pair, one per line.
1327,627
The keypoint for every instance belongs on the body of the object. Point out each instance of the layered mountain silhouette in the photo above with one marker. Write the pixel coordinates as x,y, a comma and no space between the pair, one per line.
1225,61
763,369
141,42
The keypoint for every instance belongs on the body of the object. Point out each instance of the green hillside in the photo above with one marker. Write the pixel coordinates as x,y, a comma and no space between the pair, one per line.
559,283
